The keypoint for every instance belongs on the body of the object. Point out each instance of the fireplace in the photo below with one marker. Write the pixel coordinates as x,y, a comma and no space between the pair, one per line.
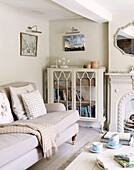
129,108
120,95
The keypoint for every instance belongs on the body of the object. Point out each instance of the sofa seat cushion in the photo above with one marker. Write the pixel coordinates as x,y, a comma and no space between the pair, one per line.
61,120
14,145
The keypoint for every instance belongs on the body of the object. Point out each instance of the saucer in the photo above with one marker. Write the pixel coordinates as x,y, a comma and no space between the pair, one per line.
92,150
113,147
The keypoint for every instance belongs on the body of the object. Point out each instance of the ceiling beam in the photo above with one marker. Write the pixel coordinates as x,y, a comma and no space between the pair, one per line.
87,8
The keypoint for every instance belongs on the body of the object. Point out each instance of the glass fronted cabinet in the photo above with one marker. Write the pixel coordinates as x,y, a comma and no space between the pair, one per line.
86,93
62,88
80,89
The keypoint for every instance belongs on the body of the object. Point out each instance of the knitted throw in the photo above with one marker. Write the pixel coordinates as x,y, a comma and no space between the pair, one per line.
45,133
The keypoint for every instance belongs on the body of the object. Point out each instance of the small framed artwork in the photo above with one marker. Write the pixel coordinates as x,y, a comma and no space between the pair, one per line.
74,42
28,44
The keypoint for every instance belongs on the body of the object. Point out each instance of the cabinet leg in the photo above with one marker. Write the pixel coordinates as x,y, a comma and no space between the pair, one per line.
101,130
73,139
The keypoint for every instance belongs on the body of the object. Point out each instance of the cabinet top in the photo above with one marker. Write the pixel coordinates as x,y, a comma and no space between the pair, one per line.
78,68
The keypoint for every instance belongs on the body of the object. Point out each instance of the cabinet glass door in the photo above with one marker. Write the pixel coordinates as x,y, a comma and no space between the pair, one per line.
63,88
86,94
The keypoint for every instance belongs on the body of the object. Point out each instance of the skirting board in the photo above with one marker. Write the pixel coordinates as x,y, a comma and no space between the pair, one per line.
89,124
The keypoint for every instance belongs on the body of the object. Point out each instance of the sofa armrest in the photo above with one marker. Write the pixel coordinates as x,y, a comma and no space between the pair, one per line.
55,107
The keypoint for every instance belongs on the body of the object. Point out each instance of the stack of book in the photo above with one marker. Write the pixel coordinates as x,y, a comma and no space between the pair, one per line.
62,94
86,111
127,161
125,138
78,96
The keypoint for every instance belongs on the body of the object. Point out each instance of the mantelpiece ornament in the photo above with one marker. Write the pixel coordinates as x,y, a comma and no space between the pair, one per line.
124,39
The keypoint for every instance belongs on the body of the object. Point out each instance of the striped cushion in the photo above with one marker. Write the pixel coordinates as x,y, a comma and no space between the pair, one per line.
34,104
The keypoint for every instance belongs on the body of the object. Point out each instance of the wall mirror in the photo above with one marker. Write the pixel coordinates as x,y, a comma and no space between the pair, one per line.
124,39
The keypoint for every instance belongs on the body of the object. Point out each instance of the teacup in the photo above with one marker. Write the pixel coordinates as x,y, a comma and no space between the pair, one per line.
97,146
114,141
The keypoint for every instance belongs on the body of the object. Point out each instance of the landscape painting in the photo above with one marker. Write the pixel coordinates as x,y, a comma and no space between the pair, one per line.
28,44
74,43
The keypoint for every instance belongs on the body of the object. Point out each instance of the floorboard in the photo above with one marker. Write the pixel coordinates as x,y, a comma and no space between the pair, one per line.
66,150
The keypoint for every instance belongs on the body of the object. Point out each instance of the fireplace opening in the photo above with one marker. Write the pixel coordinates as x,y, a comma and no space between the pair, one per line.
129,116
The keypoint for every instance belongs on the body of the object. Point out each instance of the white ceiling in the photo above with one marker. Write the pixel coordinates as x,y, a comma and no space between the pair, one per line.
51,10
117,6
41,8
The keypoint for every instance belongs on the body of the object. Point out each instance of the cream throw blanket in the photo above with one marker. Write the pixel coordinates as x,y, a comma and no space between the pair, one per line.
45,133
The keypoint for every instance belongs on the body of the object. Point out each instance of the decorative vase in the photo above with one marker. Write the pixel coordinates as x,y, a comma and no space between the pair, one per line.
88,66
94,64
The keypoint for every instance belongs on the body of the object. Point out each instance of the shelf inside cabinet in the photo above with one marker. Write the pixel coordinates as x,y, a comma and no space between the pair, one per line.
85,86
62,101
87,118
85,102
62,85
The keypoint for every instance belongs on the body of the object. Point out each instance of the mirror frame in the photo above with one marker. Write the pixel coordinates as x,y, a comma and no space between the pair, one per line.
115,39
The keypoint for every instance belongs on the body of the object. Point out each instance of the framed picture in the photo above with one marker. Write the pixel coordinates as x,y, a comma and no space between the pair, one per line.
74,43
28,44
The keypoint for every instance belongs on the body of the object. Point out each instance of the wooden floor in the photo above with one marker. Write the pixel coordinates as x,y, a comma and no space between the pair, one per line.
66,150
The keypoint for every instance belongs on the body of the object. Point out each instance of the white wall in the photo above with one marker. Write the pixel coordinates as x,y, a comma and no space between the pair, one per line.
96,42
118,61
13,67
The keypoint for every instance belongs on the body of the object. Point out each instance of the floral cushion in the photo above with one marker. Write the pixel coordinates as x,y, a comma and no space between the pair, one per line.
5,110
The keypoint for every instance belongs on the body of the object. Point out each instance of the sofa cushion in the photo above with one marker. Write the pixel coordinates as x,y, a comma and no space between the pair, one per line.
5,111
61,120
6,89
34,104
14,145
17,104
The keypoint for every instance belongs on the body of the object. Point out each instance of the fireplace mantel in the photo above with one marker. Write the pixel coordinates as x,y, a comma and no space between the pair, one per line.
119,74
120,90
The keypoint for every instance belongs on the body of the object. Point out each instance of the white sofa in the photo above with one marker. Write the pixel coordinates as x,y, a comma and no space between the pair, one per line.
20,151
